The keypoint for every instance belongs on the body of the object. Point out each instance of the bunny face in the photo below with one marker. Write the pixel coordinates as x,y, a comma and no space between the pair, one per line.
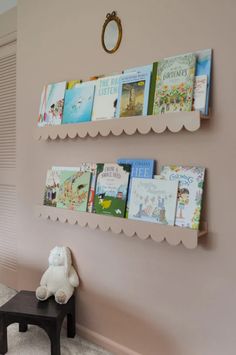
58,257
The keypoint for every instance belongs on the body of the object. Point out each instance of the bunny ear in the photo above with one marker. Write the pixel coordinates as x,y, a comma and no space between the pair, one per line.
68,261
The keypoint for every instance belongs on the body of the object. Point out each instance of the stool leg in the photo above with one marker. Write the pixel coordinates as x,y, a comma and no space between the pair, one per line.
3,335
23,327
71,331
54,334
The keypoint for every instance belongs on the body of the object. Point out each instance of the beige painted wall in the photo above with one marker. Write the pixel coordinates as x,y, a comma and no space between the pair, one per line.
150,297
8,22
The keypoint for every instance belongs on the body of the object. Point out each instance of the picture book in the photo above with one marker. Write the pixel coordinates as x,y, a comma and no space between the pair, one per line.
51,104
174,84
140,168
199,93
189,193
105,99
111,189
133,94
79,103
74,190
140,69
51,188
203,67
73,83
153,200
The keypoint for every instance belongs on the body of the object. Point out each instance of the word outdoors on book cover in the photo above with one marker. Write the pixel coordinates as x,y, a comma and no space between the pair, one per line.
153,200
190,191
111,189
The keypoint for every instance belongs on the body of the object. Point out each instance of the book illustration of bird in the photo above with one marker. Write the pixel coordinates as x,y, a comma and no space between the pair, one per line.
104,203
118,211
77,105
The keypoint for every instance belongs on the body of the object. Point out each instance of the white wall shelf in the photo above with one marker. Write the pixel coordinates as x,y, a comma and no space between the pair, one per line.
158,232
174,122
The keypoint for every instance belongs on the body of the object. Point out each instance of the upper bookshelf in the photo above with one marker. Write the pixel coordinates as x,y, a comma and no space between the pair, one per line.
174,122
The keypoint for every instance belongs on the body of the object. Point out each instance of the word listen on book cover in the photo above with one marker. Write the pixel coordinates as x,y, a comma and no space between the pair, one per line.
105,99
74,190
51,104
111,189
133,94
189,194
174,84
153,200
140,168
79,103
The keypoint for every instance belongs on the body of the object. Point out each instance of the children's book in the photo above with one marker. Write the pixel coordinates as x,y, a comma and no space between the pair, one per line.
51,188
74,190
51,104
79,103
174,84
199,94
189,194
111,189
105,99
140,168
133,94
140,69
73,83
153,200
203,67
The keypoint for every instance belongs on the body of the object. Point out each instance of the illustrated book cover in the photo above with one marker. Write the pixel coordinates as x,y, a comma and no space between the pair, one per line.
105,99
203,67
190,191
111,189
74,190
174,84
51,104
79,103
140,168
153,200
51,188
199,94
133,94
73,83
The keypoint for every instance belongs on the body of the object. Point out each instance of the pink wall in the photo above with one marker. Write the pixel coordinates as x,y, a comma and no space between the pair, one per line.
150,297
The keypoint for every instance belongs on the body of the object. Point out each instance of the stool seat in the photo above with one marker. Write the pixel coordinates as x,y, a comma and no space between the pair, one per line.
24,308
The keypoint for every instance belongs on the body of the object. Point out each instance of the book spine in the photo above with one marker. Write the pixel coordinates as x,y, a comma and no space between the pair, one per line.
152,88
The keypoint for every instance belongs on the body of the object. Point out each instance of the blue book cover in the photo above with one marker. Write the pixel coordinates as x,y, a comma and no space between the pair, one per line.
141,69
140,168
79,103
203,67
133,94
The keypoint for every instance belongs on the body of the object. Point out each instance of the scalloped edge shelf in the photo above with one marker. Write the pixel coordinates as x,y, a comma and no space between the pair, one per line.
158,232
174,121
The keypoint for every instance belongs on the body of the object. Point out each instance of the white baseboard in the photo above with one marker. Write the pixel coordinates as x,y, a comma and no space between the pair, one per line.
104,342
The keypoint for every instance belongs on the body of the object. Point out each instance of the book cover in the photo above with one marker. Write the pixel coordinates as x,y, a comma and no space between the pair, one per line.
140,168
190,191
73,83
199,93
79,103
51,104
140,69
111,189
73,190
105,99
152,88
153,200
203,67
174,84
133,94
51,188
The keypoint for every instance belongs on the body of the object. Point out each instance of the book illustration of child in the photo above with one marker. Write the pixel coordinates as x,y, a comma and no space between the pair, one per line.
183,200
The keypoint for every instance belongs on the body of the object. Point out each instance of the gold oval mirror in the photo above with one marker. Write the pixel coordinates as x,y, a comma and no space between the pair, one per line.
111,33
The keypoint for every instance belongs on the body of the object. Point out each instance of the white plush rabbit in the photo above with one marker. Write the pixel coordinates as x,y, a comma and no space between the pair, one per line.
60,278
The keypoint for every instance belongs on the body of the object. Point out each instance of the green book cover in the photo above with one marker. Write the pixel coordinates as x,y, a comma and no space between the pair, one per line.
174,84
111,189
152,88
74,190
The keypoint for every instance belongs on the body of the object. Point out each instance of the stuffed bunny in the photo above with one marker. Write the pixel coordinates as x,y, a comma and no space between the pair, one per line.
60,278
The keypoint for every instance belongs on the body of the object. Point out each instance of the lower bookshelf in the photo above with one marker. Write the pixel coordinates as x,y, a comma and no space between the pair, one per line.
158,232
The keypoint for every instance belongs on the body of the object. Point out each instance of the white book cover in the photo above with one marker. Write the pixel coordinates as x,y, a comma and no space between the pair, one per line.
105,100
200,93
153,200
190,191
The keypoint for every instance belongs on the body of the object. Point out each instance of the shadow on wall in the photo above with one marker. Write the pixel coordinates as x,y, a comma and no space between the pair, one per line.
107,316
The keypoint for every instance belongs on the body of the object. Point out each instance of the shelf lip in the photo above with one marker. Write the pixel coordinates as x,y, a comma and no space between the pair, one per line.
158,232
173,121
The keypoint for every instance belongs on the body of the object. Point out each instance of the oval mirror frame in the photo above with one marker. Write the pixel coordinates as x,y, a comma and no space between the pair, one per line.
109,18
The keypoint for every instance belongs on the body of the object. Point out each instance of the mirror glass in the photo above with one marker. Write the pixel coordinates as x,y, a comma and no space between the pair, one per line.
111,35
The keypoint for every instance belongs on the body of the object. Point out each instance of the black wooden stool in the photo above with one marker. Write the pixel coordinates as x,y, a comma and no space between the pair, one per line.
24,308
